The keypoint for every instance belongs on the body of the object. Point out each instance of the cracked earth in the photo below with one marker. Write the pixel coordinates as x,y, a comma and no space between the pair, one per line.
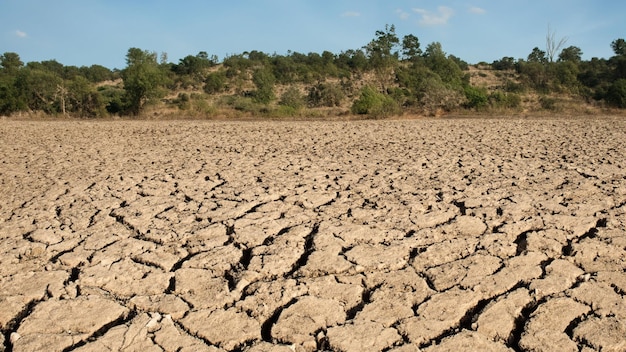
435,235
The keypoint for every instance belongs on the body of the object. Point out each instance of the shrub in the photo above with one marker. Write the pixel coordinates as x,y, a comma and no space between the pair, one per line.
513,87
435,96
183,101
243,104
548,103
616,94
505,100
506,63
476,97
375,104
264,80
215,82
325,94
292,98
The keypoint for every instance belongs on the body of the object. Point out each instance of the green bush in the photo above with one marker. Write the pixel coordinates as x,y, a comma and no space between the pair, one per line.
548,103
215,82
264,80
505,100
476,98
513,87
284,111
183,101
243,104
292,98
616,94
325,94
375,104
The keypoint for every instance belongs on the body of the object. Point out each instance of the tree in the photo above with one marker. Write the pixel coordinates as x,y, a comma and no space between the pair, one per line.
537,55
292,98
325,94
436,60
571,53
616,94
506,63
567,74
264,81
352,60
215,82
83,100
619,47
552,45
39,90
142,78
193,65
382,54
426,90
619,60
10,63
96,73
10,101
375,104
411,47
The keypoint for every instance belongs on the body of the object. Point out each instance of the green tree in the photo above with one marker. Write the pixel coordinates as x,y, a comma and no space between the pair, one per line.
325,94
567,74
411,47
215,82
285,69
618,62
619,47
83,100
572,54
193,65
352,60
616,94
292,98
41,90
504,64
264,81
375,104
594,72
96,73
382,54
10,63
533,73
537,55
436,60
425,90
143,79
477,97
10,100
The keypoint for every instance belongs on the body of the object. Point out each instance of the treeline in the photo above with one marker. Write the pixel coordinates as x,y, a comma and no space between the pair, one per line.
388,76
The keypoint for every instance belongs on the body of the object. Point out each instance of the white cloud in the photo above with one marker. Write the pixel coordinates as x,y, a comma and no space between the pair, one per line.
403,14
20,34
439,18
477,10
351,14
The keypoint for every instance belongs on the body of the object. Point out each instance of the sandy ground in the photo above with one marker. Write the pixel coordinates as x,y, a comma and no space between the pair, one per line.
433,235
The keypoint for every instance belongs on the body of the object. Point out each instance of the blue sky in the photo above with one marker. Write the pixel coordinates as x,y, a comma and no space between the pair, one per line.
86,32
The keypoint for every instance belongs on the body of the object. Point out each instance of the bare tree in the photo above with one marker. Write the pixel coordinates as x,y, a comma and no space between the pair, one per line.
552,45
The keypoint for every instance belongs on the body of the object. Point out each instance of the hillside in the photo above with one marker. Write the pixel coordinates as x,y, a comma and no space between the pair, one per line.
235,100
380,80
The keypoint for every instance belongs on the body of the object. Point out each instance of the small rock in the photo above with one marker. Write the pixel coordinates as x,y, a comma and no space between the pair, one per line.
14,337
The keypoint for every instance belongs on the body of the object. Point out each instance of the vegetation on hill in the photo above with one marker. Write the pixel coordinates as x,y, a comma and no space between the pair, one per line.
388,76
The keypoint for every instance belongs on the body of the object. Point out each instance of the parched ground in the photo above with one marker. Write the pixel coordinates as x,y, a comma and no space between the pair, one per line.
431,235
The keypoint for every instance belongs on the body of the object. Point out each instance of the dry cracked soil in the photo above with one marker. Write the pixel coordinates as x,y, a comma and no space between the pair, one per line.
426,235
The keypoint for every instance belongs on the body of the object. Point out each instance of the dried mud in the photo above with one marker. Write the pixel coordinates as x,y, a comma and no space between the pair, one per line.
433,235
